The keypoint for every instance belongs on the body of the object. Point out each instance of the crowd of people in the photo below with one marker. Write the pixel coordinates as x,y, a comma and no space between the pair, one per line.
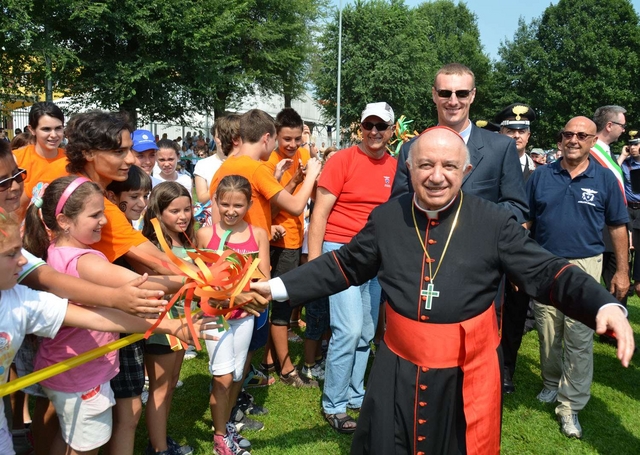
437,256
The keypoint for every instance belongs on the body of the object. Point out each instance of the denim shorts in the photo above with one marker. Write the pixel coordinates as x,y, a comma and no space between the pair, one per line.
317,318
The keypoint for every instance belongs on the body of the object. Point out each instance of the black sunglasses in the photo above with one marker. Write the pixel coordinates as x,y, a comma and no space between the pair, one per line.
581,136
459,93
18,177
379,126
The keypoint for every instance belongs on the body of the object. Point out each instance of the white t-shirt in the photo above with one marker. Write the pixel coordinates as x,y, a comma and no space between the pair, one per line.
24,311
183,179
207,167
32,264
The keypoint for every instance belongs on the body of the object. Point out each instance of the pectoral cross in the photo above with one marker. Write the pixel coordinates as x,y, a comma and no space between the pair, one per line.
430,293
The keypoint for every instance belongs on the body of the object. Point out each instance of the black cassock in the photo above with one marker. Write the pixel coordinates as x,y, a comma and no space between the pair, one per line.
412,407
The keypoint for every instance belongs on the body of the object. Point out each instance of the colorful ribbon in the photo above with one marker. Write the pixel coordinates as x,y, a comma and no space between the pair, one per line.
403,134
227,276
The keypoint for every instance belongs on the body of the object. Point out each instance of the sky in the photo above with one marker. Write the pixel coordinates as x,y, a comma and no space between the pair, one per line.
498,19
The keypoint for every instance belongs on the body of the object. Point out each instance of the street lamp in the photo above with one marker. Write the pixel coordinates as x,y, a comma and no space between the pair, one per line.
339,76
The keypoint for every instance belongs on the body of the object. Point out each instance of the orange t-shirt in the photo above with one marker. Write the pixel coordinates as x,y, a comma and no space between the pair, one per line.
118,236
264,186
39,170
294,225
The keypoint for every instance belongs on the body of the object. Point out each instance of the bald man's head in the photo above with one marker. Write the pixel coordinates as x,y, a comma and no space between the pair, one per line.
437,162
578,136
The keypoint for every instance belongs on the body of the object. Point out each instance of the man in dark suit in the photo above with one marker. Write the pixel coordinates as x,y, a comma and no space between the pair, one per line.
515,122
495,174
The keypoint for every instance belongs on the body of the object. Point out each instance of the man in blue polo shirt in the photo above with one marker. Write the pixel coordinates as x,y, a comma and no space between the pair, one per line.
571,201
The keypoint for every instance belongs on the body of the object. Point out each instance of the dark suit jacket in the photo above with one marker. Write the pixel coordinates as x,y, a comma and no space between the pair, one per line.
496,174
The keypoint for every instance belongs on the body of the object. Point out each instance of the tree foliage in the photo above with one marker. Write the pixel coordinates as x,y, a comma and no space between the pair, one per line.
391,52
579,55
161,59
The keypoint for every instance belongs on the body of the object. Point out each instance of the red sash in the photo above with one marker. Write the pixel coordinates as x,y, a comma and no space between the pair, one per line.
470,345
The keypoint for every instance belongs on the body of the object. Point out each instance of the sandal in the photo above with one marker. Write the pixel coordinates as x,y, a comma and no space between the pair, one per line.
338,423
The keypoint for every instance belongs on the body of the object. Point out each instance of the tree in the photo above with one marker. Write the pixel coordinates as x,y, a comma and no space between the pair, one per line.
162,60
580,55
385,57
453,32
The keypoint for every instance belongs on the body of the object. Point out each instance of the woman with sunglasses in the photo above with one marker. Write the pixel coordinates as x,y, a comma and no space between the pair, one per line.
352,184
43,160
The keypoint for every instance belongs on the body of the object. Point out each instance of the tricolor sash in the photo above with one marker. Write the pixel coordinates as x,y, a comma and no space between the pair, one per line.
606,160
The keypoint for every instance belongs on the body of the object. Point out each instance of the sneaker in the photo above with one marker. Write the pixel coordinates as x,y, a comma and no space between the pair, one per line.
220,446
315,372
246,405
293,337
257,378
242,422
235,449
190,353
295,380
243,443
144,396
177,449
547,396
570,426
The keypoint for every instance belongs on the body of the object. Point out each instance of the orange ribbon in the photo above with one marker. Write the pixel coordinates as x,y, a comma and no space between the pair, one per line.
227,276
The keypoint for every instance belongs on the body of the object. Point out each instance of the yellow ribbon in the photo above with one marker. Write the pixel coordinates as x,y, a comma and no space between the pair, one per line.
66,365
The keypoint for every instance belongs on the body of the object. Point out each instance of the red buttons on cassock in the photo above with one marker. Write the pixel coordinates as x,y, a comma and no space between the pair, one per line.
424,297
424,369
426,278
434,223
421,438
423,387
419,453
422,404
431,241
423,318
422,421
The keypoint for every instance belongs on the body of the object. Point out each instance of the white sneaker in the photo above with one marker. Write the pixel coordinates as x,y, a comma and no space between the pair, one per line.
190,353
547,396
570,426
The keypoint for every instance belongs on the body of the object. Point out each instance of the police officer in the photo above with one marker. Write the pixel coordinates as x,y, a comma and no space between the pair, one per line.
515,122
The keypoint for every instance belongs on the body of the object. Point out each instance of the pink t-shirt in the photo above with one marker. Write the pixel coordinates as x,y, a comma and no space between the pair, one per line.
360,184
71,341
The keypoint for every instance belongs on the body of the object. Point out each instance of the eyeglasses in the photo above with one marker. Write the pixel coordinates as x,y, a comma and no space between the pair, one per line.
459,93
18,177
581,136
622,125
379,126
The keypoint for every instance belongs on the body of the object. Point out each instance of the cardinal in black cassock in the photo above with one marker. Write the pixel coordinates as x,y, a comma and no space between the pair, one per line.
435,385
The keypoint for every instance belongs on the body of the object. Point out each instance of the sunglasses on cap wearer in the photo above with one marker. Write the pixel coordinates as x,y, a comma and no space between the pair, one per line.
18,177
381,126
581,136
459,93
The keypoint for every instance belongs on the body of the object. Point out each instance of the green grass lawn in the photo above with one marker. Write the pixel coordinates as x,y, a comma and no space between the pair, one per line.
611,420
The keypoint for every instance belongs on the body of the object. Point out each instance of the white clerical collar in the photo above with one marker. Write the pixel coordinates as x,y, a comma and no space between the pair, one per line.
432,214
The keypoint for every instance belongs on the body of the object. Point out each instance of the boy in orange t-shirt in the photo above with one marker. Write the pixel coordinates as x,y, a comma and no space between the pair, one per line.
258,133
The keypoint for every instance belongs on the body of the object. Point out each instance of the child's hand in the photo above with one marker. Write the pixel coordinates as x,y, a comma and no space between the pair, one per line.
277,232
144,303
281,167
257,303
313,168
202,326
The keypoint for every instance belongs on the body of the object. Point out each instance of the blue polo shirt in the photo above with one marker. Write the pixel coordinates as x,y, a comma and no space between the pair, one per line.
569,214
